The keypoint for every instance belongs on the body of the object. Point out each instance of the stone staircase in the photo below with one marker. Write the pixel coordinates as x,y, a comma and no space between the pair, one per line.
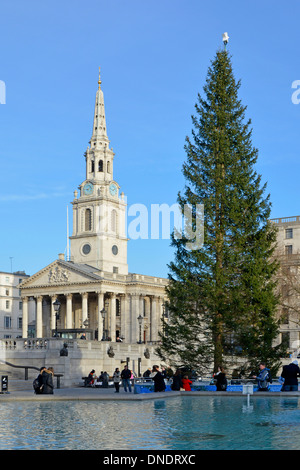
16,378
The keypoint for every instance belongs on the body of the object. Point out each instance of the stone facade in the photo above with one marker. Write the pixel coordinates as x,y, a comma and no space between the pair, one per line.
83,356
288,254
11,306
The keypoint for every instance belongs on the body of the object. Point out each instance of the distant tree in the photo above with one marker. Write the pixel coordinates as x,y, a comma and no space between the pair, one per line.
222,298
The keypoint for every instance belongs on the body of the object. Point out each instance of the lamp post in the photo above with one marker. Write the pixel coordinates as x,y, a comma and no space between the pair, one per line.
140,320
103,314
56,305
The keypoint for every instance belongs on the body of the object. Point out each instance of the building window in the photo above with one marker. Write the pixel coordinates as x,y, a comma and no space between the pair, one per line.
6,292
100,165
285,316
7,304
108,167
20,305
7,323
118,309
88,220
288,233
288,249
92,166
115,270
285,339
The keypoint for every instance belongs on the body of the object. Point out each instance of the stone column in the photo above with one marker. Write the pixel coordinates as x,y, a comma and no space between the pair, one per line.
154,326
148,318
24,317
141,312
112,333
159,315
127,318
84,307
69,322
100,318
53,315
123,313
39,317
134,314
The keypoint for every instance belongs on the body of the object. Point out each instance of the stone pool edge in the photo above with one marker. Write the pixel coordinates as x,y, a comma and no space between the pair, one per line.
76,394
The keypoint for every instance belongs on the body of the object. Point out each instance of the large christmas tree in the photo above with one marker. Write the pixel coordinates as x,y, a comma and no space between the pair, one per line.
222,297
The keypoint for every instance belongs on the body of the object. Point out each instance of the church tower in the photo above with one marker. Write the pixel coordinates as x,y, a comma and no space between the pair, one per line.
99,213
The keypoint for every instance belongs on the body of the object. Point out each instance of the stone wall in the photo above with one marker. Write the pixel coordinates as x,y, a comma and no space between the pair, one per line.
83,356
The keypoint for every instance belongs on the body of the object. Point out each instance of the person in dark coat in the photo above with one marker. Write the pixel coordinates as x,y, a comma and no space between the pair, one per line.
221,381
290,374
39,386
125,376
177,381
157,377
47,381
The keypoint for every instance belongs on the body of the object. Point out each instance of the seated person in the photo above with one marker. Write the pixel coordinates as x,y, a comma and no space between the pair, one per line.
91,378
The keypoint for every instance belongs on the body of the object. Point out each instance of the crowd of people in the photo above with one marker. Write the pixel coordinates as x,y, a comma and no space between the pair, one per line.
126,377
43,384
288,379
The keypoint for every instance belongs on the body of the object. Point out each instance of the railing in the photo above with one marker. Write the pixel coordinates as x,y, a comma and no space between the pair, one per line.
58,376
286,220
20,367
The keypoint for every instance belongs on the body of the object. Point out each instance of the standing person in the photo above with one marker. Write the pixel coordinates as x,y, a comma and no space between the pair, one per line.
125,376
186,383
290,374
47,381
157,377
177,382
116,379
221,381
263,378
105,380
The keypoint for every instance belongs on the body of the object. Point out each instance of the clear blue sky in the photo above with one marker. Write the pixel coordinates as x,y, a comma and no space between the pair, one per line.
154,57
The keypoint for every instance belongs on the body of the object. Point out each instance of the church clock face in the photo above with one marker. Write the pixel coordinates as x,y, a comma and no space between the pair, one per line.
88,189
86,249
113,189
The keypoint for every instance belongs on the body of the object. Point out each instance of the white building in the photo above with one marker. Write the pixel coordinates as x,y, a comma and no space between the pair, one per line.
11,307
288,254
97,294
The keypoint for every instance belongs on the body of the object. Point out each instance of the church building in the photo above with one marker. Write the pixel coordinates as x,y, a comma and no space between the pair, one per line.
91,294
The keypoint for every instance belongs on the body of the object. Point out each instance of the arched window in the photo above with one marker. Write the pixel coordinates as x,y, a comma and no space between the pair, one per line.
88,220
108,167
100,165
92,166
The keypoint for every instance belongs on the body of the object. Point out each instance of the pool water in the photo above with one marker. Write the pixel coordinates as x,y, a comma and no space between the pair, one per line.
177,423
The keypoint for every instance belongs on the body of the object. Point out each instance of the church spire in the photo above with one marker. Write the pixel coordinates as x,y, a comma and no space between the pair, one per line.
99,138
99,80
99,157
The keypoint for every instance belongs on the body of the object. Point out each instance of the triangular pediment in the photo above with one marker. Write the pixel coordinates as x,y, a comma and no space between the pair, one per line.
62,273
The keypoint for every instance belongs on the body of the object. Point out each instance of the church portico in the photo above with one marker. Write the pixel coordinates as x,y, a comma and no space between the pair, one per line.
107,309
